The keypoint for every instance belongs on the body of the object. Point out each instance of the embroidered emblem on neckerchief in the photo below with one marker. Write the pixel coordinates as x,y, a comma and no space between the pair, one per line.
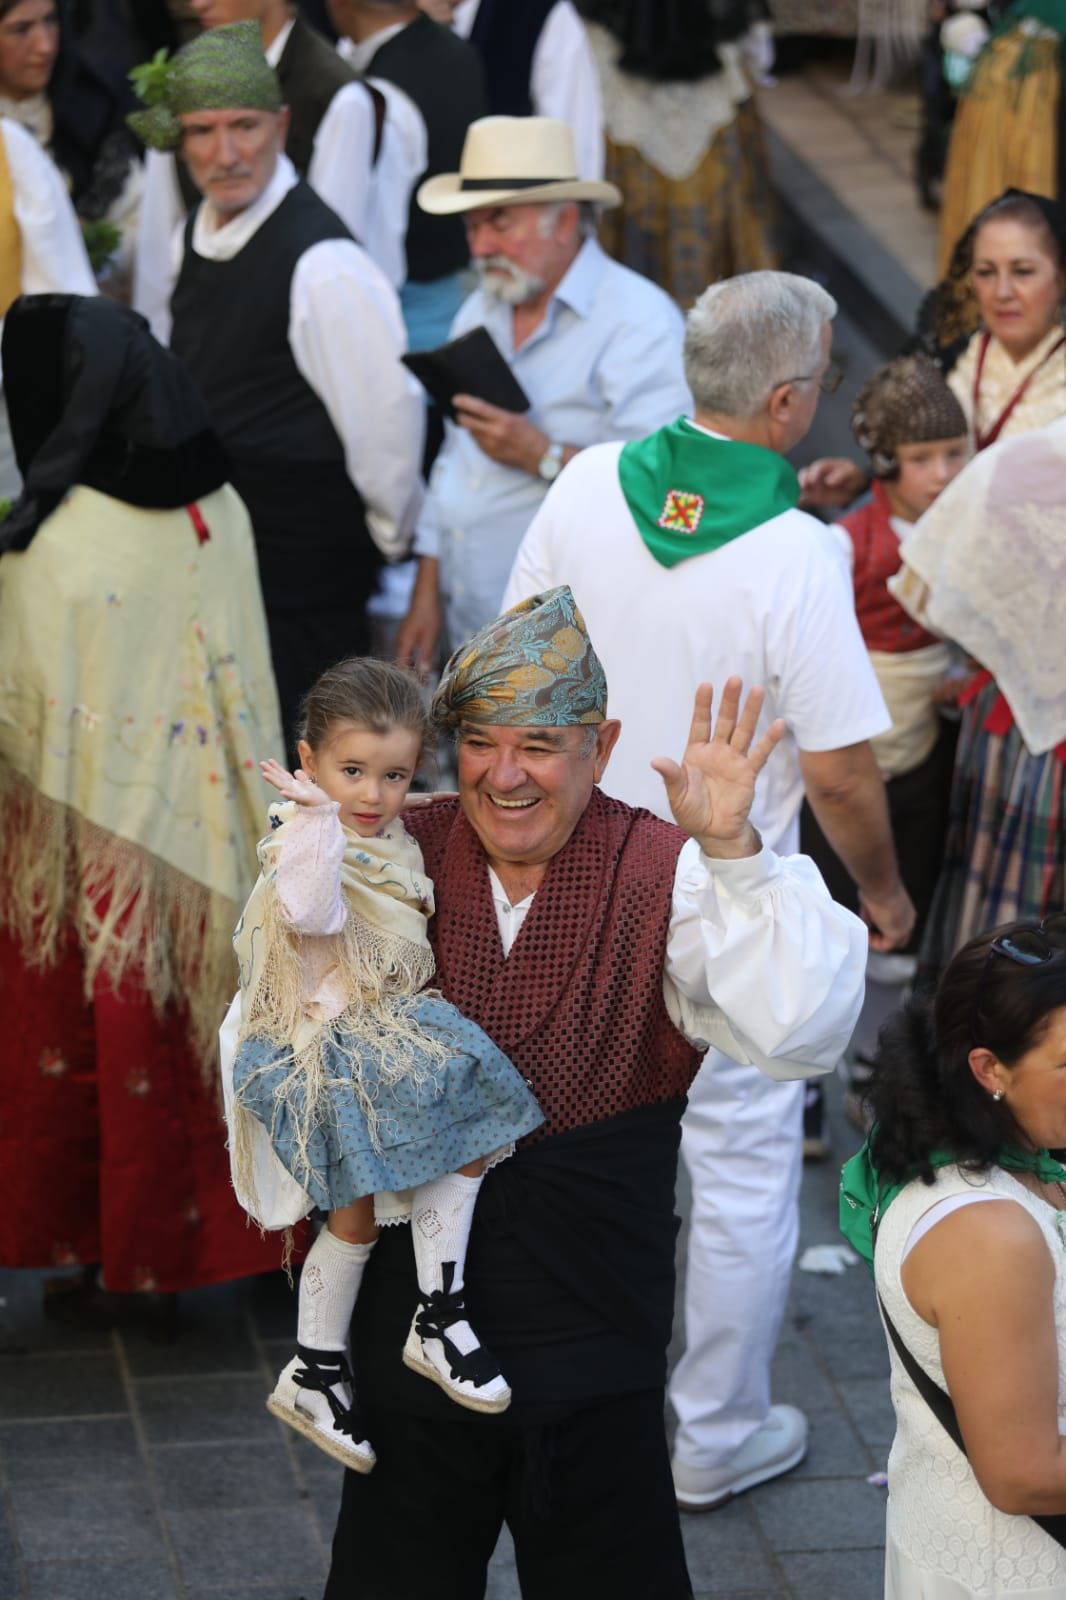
682,511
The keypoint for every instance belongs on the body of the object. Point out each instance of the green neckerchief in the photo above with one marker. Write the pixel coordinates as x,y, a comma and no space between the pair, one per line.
689,492
865,1197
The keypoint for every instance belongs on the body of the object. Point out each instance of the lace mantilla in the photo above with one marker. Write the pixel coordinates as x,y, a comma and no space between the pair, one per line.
937,1514
671,124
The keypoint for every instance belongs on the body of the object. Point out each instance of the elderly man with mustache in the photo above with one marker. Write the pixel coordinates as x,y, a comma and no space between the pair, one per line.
294,337
595,347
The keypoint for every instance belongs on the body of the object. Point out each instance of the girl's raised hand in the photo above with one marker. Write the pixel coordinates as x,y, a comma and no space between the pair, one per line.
293,786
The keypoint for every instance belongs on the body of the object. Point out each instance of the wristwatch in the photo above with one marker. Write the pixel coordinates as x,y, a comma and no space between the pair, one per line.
551,463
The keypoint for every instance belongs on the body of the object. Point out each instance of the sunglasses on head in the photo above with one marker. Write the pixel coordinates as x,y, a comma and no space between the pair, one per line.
1029,947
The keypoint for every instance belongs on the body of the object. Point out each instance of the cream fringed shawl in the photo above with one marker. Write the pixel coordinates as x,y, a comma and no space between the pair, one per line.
375,965
136,699
985,567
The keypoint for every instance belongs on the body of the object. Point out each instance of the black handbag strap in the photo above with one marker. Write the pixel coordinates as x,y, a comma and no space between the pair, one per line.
940,1404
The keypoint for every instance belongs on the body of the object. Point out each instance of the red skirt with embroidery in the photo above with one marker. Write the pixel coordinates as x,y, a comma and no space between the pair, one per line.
111,1148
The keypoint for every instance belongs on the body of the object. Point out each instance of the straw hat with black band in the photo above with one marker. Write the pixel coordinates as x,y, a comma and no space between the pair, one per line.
509,161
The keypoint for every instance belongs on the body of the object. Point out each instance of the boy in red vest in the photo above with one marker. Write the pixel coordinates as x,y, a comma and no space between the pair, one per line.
914,433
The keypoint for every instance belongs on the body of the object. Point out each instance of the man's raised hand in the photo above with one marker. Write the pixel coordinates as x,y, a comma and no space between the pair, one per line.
293,785
712,790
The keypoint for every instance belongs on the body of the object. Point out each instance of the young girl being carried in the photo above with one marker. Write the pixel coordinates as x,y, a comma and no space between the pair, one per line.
361,1082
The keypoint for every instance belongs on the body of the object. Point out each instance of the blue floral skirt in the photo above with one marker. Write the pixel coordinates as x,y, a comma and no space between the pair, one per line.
470,1106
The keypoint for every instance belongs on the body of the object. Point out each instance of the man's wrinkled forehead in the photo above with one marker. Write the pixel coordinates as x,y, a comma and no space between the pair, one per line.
548,738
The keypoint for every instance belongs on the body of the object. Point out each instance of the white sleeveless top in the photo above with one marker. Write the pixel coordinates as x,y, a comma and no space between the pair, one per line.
944,1538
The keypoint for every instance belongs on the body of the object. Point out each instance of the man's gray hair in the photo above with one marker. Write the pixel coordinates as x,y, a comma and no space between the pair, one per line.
746,335
587,217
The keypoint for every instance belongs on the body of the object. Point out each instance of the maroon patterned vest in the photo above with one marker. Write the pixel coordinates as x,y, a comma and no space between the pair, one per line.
882,620
578,1004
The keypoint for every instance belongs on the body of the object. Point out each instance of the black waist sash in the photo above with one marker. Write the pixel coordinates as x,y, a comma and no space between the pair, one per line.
570,1273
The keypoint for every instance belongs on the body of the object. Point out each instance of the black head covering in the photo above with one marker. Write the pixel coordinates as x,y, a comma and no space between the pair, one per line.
948,316
669,40
93,398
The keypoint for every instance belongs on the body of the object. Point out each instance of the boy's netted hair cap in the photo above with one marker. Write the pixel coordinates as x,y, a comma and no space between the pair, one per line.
906,402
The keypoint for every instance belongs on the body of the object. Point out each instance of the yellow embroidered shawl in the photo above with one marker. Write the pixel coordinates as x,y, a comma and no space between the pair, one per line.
136,700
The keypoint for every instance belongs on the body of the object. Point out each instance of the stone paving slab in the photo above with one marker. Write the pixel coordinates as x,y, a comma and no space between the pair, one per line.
137,1471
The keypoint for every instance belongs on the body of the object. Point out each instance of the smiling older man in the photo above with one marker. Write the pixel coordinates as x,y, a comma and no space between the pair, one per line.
294,337
604,951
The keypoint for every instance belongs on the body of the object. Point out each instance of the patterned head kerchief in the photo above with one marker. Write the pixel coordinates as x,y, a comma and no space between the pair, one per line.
532,667
223,70
906,402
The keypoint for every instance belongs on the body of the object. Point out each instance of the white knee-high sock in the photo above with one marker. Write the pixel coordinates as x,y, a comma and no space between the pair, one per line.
329,1286
441,1215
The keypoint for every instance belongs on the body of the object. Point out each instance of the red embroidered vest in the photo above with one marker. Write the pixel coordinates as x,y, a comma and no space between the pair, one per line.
882,620
578,1004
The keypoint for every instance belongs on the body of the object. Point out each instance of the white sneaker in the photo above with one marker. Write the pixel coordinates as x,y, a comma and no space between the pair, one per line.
472,1376
891,968
313,1395
776,1446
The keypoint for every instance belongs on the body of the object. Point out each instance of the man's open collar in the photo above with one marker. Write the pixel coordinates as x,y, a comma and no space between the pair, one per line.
581,281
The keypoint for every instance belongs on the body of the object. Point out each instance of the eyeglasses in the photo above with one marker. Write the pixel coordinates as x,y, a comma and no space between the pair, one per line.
829,382
1030,947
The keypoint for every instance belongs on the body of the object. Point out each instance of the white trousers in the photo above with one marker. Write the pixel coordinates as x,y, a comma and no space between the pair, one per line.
742,1142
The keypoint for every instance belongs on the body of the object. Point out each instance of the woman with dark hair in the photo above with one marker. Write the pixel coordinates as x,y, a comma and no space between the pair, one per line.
74,102
683,140
994,326
961,1211
136,697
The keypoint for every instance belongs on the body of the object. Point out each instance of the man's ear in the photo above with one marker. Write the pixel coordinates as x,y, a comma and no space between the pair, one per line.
606,739
780,405
284,123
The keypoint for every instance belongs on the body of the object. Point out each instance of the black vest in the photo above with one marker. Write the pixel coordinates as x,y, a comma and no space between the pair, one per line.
506,33
231,329
442,75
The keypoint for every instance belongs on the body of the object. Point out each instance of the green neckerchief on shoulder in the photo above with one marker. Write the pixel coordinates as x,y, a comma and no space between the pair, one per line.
689,492
865,1196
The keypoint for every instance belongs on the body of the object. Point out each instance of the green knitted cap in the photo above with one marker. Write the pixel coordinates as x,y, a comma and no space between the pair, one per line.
223,70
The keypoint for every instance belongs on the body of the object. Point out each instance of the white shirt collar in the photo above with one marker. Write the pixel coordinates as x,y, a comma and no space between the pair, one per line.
361,55
276,49
708,431
464,17
219,240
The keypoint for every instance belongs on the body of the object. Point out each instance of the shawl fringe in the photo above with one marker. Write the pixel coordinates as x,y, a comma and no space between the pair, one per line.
134,915
384,972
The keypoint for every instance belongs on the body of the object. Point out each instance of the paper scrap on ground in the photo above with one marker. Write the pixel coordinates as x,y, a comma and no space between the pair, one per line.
831,1260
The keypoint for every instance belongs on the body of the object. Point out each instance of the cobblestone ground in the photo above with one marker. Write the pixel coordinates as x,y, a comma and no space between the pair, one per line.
131,1470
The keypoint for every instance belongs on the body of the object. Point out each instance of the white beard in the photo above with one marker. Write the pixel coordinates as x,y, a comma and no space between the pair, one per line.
500,277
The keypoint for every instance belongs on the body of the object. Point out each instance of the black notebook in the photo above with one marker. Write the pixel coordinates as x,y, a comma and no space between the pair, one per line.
471,364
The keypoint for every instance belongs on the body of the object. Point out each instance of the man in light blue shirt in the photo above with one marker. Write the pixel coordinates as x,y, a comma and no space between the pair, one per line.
596,347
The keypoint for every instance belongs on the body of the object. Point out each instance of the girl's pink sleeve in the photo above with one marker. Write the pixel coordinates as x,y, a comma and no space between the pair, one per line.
308,881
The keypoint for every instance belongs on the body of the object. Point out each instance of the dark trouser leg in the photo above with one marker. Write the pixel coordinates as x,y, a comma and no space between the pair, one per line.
302,645
424,1523
589,1500
609,1524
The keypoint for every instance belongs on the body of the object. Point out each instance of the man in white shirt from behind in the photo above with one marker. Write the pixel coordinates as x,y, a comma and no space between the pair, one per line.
682,577
563,81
